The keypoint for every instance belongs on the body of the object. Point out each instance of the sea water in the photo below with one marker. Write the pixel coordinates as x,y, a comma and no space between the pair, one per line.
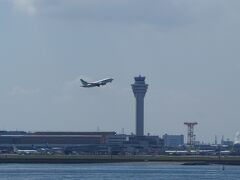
118,171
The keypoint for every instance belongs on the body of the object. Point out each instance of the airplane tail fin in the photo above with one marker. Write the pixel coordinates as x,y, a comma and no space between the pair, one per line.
84,83
15,149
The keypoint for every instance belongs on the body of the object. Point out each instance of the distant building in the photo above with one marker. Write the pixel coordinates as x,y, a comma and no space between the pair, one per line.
118,139
19,139
236,149
227,142
145,145
173,140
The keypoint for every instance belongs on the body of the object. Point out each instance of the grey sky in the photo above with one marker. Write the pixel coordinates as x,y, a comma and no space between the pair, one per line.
187,49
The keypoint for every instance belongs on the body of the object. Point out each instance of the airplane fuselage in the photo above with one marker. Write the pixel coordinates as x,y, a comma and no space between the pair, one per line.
96,83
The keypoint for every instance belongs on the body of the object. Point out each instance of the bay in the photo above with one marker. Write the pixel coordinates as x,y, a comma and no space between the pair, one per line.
118,171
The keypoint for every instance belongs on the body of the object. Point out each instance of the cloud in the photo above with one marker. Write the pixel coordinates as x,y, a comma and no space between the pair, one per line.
26,6
19,91
165,13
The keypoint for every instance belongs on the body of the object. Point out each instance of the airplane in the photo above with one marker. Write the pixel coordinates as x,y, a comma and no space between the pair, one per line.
96,83
26,151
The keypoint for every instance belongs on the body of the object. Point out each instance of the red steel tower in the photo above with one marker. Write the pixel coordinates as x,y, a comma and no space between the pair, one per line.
190,135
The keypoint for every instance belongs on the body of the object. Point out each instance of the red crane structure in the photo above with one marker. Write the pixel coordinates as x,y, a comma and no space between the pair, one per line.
190,133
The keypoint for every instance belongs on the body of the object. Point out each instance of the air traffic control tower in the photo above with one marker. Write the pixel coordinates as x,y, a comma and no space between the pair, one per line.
139,89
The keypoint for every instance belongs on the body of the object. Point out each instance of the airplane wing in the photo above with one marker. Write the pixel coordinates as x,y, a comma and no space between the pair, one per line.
96,83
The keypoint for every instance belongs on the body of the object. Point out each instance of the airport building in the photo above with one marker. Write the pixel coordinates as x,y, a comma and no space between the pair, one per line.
173,140
79,142
139,90
50,139
118,139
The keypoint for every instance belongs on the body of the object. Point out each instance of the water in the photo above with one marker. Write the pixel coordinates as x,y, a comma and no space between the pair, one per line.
117,171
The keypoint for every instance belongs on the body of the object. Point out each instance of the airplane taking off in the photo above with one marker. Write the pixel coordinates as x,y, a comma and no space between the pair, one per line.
95,84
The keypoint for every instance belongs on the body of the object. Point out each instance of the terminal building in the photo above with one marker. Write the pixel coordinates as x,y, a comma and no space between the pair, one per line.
52,139
173,140
79,142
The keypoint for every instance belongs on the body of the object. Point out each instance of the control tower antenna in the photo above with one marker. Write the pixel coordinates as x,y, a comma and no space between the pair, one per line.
139,90
190,132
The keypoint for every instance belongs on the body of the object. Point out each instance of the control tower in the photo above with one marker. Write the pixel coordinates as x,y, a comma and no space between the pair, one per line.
139,89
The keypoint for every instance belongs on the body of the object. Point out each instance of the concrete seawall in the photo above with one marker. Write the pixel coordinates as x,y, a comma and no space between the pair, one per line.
188,160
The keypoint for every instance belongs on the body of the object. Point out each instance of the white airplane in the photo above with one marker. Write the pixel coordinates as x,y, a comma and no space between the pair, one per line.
26,151
96,83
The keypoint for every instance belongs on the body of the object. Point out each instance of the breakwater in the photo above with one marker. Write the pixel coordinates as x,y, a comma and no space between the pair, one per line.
191,160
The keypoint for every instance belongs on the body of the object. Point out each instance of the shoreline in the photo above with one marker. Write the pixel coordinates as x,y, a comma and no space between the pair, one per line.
78,159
